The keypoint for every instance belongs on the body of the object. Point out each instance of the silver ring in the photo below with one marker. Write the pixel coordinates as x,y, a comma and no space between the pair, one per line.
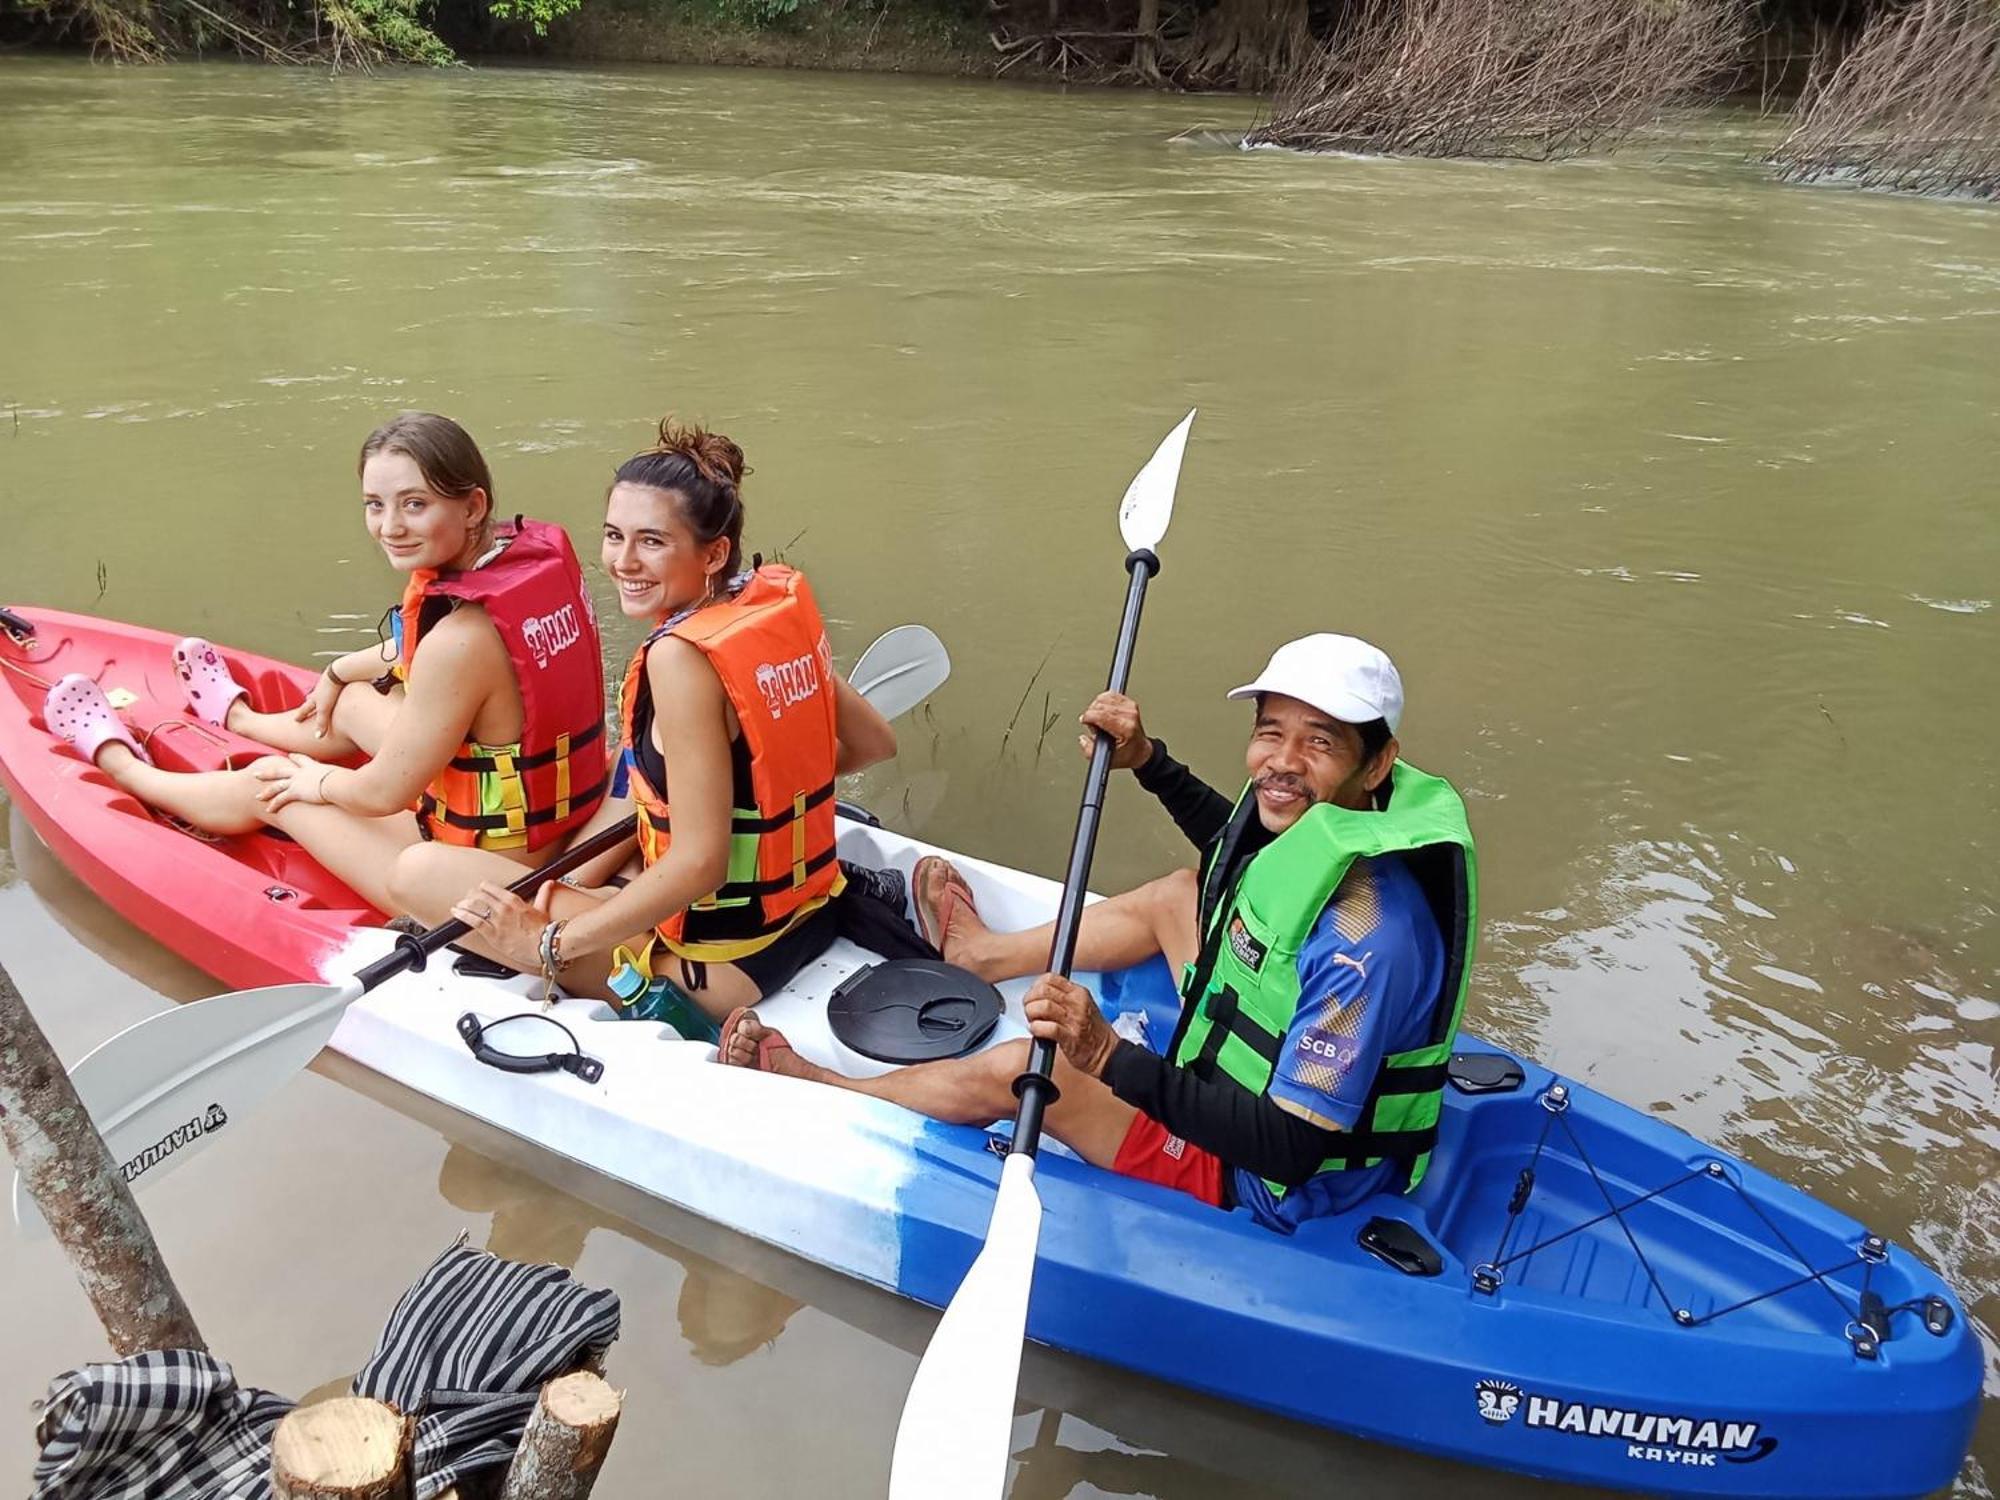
481,913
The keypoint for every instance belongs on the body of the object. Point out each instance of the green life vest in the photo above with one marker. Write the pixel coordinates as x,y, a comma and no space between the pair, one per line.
1239,997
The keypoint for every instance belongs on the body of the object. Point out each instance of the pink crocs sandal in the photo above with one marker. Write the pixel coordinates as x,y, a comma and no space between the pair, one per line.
77,710
206,680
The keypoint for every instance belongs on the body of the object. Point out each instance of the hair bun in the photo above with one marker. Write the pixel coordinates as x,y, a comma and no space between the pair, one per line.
715,457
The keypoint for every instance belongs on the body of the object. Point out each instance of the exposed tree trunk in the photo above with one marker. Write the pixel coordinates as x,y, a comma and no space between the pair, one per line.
1250,43
567,1438
88,1204
1146,51
349,1448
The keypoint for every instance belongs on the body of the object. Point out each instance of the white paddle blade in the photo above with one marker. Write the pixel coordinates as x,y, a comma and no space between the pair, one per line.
958,1420
904,667
160,1090
1149,498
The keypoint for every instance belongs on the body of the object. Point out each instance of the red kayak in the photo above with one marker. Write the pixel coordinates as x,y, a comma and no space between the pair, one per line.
251,910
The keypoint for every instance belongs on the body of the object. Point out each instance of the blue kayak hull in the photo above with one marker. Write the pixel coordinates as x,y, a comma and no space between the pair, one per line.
1573,1366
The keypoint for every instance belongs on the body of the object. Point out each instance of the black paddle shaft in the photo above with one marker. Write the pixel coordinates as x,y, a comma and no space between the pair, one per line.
1036,1088
412,951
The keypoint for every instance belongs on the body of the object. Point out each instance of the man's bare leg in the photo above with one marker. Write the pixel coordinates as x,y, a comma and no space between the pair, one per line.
976,1090
1117,932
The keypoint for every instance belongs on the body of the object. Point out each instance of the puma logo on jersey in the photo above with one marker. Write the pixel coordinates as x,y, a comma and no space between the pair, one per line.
1358,965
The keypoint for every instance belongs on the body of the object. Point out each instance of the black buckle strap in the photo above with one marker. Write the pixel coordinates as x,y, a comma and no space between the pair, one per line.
484,763
741,821
430,807
1424,1080
1221,1012
1363,1146
741,890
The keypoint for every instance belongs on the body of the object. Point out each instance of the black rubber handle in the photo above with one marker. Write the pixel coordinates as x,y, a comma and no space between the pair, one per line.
1035,1088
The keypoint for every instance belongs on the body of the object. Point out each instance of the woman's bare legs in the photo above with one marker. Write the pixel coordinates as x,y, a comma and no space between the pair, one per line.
360,851
222,802
360,723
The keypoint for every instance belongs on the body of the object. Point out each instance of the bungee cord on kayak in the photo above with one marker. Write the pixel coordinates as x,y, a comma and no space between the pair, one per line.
1866,1320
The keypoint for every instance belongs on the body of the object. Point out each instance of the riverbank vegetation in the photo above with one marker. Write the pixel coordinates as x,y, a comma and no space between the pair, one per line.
1912,106
1901,94
342,33
1530,79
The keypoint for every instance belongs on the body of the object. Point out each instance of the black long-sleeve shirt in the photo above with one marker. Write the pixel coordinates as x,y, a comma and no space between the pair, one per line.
1244,1130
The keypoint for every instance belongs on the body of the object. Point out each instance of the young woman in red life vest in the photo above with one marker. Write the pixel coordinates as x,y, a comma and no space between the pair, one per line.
735,727
483,714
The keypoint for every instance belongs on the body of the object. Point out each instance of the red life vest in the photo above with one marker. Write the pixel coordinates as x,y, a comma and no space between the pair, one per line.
769,648
530,794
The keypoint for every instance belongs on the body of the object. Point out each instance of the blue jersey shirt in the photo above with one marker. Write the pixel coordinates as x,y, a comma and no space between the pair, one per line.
1368,984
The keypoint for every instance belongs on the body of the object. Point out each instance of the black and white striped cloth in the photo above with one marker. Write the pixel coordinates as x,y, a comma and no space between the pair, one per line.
468,1348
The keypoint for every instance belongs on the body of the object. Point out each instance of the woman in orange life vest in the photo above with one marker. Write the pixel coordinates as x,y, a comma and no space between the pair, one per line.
485,713
732,897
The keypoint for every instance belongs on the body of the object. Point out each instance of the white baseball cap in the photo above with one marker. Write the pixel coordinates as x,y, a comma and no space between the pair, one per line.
1337,674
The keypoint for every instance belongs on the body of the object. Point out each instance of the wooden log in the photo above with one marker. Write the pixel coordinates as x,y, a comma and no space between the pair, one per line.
78,1188
566,1440
349,1448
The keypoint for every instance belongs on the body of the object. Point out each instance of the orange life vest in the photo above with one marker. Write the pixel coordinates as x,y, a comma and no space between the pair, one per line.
530,794
768,646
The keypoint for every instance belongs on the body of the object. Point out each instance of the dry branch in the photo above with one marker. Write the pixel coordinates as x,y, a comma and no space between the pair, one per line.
81,1192
1913,106
1534,79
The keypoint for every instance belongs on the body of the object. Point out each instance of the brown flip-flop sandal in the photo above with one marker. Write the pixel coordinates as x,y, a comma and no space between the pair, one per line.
933,923
773,1041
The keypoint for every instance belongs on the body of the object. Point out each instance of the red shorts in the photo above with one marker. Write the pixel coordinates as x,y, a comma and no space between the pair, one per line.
1149,1153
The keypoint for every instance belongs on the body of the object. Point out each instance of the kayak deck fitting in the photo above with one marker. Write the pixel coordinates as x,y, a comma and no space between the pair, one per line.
1576,1290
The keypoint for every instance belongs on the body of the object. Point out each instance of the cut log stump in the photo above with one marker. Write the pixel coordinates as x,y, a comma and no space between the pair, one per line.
349,1448
566,1440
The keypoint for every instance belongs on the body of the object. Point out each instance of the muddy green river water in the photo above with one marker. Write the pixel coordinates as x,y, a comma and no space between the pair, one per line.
1672,491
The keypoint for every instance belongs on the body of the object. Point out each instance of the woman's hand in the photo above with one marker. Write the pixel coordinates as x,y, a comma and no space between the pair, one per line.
1118,716
290,778
506,926
1065,1013
317,710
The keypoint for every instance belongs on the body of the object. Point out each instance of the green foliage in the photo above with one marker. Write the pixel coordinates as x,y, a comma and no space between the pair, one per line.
537,13
762,13
393,27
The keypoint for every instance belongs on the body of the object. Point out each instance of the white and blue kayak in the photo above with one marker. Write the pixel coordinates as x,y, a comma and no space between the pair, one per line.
1577,1290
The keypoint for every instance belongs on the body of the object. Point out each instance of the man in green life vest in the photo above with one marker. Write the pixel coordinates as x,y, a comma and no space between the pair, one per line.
1324,943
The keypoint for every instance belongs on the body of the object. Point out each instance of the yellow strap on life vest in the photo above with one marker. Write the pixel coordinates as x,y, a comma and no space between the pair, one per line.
562,776
798,839
516,806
